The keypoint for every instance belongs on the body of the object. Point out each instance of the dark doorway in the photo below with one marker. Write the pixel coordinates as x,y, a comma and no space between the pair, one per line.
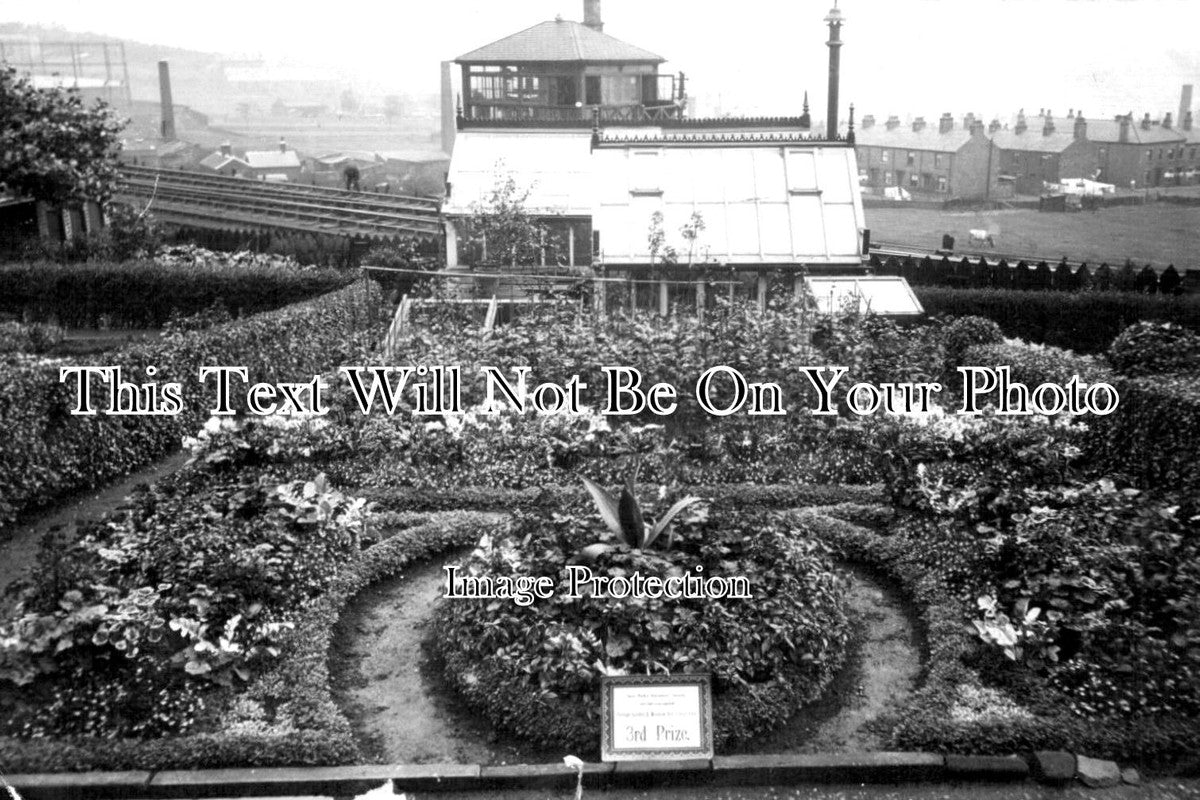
592,90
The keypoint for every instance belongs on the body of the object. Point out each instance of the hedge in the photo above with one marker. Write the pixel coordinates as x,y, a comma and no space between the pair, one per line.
1154,436
925,722
47,452
1086,322
287,716
143,294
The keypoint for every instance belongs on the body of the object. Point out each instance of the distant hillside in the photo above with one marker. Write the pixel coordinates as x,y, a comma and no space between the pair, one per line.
198,79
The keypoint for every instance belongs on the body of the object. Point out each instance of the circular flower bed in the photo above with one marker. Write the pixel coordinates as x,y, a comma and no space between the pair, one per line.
533,669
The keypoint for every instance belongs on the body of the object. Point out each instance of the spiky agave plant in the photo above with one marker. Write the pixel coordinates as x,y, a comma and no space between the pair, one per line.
624,519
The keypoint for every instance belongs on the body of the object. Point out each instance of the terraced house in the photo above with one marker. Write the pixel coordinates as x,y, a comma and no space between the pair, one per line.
949,161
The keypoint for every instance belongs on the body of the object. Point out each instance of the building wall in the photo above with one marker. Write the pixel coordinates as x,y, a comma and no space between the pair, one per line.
897,166
975,169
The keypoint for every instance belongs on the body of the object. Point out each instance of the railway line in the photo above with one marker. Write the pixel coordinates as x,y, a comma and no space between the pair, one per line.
225,203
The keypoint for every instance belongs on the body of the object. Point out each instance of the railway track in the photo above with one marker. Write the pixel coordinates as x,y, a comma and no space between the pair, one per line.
224,203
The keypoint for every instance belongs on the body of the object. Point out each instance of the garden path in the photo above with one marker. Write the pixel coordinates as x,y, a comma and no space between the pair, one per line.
19,543
404,713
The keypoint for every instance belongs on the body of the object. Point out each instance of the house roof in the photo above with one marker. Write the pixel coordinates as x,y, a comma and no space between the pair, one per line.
1109,130
220,161
341,157
1033,140
272,159
559,40
414,156
928,138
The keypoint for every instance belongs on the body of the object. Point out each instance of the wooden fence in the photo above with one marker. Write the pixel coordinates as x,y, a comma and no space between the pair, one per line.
1063,276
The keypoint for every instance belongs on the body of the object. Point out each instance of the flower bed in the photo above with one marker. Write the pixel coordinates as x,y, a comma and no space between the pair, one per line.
533,669
47,452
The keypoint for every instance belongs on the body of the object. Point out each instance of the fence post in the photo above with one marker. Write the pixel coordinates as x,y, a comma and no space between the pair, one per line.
700,300
664,305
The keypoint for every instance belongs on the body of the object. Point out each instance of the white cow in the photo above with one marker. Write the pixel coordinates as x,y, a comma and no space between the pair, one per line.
981,237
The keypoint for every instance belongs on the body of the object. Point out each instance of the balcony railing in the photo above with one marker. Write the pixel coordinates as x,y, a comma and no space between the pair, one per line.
521,114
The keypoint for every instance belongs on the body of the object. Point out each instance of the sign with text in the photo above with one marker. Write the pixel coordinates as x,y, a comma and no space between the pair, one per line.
648,717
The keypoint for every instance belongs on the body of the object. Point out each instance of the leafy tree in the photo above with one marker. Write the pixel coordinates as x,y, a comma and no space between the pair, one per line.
52,147
656,239
503,229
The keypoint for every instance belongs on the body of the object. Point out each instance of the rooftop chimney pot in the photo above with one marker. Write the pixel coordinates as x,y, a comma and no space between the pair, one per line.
1187,121
1168,121
946,124
1146,122
892,123
282,145
868,121
591,15
1080,127
918,124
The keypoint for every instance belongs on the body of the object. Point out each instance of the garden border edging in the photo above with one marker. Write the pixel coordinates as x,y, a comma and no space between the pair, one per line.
742,770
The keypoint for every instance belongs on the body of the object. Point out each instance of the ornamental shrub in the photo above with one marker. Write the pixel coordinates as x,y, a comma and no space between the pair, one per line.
534,669
962,333
1149,348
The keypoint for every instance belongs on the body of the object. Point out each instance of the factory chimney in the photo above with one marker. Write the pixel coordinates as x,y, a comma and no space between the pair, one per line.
591,15
835,20
1185,102
168,106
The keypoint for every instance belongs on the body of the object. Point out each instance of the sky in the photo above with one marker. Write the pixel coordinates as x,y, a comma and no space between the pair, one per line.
901,57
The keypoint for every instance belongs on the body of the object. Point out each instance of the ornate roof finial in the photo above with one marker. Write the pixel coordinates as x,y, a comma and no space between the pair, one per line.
850,130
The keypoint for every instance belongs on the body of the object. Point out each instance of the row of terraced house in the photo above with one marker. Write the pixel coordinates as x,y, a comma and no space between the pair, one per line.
965,159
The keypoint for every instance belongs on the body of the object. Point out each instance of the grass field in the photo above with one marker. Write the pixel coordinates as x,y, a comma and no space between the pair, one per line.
1158,234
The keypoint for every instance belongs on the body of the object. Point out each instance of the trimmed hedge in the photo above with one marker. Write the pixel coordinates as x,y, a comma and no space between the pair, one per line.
143,294
926,722
1083,321
1154,436
287,717
47,452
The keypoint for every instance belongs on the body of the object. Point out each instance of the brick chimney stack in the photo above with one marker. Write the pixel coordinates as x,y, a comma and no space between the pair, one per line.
1021,126
282,145
1126,121
994,126
1187,121
226,149
1080,127
835,20
1167,121
168,105
1048,126
868,121
918,124
892,123
591,15
946,123
1185,102
1146,122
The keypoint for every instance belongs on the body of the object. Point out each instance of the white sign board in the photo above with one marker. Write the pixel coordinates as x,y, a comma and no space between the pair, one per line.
656,717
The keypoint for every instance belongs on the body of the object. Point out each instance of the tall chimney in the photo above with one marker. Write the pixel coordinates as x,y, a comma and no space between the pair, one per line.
168,106
835,21
1185,102
591,15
